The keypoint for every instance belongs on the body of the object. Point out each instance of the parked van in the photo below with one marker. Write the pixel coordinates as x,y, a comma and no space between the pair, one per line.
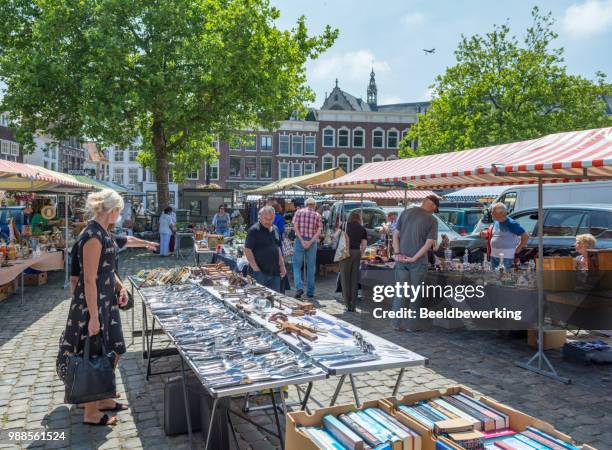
518,198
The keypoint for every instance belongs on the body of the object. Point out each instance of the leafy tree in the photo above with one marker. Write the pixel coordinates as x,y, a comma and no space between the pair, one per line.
500,91
174,72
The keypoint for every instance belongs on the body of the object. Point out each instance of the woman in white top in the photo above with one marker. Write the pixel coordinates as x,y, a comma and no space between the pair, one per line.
584,242
166,227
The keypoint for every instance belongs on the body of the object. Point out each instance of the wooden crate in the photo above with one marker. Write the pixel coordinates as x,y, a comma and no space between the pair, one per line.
35,279
600,259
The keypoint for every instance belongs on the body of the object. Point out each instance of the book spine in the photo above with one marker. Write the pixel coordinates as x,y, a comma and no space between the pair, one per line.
400,434
501,420
543,440
342,433
368,437
476,415
564,444
408,410
377,429
456,411
531,442
322,439
390,419
428,411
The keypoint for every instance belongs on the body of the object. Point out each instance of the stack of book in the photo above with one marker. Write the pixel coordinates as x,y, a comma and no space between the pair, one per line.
371,428
531,438
456,413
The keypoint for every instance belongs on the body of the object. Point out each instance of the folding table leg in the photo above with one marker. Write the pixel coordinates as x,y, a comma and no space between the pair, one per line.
306,396
231,425
399,381
186,400
210,425
150,349
21,288
278,425
354,387
337,391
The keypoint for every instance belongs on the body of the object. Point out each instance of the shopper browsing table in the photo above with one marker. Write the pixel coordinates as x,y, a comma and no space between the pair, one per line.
415,234
349,267
97,295
308,226
221,221
166,228
508,237
263,252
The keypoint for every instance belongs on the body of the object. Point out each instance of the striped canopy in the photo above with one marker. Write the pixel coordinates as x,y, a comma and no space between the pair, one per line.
556,156
395,195
16,176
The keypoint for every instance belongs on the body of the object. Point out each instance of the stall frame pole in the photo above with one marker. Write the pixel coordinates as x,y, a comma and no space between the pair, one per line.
540,357
66,266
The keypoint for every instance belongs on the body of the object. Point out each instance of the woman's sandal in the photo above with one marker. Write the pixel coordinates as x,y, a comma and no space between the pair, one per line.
118,407
102,422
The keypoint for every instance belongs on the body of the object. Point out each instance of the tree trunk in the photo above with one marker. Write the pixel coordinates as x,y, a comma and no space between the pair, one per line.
161,165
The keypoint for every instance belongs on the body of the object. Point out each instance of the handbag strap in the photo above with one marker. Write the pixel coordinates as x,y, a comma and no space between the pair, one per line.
87,349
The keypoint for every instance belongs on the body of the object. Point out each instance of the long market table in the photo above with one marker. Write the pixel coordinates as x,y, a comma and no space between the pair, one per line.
391,355
45,262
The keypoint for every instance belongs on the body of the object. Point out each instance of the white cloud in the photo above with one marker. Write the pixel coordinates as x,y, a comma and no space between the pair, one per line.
413,19
350,66
390,100
588,18
427,94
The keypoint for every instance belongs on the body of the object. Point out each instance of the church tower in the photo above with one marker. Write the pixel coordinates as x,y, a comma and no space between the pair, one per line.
372,91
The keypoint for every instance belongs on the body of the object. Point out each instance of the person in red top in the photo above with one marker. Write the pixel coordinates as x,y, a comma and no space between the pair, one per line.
308,226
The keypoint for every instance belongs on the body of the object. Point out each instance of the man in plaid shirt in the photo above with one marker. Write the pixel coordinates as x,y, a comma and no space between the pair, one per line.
308,227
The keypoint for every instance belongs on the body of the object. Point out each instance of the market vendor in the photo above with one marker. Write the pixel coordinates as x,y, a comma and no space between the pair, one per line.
507,237
389,227
263,250
584,242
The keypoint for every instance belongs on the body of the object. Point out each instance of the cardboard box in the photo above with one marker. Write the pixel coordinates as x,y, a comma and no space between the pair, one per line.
35,279
518,421
553,339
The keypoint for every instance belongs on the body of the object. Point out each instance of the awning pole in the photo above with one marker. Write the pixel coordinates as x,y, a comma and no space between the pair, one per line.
361,208
406,197
66,268
540,357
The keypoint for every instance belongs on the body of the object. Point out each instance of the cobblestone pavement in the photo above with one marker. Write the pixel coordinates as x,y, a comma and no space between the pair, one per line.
31,395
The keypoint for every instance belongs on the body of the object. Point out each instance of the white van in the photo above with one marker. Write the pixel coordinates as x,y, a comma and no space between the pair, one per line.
517,198
520,197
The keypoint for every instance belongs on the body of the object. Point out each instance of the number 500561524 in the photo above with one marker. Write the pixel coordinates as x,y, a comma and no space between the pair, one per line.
36,435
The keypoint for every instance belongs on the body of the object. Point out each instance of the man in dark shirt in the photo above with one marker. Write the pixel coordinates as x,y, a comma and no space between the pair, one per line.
263,252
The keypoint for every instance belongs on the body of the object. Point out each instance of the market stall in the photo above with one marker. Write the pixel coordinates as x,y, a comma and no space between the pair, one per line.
18,177
317,344
562,157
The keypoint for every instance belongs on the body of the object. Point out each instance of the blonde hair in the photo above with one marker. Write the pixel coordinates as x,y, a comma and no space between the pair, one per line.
103,201
588,240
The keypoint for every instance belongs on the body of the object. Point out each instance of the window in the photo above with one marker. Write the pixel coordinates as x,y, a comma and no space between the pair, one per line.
250,167
213,173
377,158
343,137
194,175
392,139
14,148
195,207
562,223
5,147
378,138
45,164
508,199
328,137
309,168
528,221
296,145
343,161
118,175
283,170
266,143
358,138
235,142
265,167
234,169
596,223
132,155
119,155
310,145
327,162
132,176
296,169
283,145
250,143
358,161
53,167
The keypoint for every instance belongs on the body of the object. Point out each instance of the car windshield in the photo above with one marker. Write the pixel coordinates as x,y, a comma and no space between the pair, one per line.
442,226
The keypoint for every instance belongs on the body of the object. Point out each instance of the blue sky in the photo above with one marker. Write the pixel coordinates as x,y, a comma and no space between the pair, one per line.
392,34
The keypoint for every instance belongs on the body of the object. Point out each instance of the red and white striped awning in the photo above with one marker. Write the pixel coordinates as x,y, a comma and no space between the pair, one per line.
395,195
556,156
27,177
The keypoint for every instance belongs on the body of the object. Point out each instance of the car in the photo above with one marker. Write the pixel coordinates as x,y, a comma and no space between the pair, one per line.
561,225
462,220
346,207
443,227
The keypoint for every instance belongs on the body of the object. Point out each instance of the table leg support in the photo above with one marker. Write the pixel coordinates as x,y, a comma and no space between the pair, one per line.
399,381
150,348
337,391
306,396
354,388
210,425
186,400
278,424
21,288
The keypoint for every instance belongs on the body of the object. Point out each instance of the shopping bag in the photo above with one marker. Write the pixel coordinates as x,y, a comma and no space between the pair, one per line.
90,378
343,250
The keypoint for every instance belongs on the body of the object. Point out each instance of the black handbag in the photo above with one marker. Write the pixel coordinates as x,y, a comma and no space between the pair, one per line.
90,378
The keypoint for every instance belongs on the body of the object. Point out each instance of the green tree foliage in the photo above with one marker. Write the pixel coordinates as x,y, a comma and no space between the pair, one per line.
174,72
501,91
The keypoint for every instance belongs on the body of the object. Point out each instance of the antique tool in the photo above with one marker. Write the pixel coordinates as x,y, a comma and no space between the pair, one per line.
292,328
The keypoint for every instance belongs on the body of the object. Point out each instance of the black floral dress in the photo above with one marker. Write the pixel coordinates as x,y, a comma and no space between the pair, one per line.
72,340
